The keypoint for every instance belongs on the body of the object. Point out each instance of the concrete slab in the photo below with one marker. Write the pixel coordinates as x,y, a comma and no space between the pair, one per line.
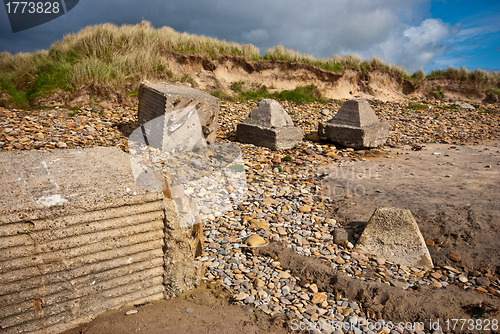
269,125
79,237
157,99
355,125
393,234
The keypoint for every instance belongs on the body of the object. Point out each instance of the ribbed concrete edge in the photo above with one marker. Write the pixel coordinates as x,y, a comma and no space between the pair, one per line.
157,99
78,237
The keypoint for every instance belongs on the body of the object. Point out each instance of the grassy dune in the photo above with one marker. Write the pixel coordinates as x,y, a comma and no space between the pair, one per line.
118,58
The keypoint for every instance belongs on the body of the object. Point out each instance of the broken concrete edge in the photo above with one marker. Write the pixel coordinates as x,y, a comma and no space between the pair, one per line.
374,296
166,88
182,273
393,234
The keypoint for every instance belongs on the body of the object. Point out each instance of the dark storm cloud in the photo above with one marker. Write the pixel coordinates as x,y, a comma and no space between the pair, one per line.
390,29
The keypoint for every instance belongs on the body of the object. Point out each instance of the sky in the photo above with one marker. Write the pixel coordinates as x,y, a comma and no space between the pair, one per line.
414,34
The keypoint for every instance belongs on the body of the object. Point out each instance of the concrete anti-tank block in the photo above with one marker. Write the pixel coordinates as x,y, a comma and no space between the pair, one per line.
157,99
356,126
270,126
393,234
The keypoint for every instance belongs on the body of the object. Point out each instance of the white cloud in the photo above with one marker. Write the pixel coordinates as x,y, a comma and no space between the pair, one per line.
430,31
414,47
255,36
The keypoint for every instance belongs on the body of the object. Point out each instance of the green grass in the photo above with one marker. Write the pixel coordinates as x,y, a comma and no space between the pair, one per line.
494,91
452,107
110,58
299,95
417,106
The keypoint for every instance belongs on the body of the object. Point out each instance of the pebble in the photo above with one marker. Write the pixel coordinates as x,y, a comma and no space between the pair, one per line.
340,236
131,312
281,203
483,281
454,256
255,240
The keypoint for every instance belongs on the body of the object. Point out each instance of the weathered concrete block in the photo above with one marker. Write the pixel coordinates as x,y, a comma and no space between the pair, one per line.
356,126
393,234
270,126
157,99
79,237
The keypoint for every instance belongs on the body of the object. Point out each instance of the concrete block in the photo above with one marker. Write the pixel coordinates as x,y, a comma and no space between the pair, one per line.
393,234
270,126
157,99
355,125
79,237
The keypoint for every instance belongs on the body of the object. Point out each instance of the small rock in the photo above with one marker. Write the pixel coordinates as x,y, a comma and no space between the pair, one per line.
305,209
429,242
284,275
276,160
61,144
318,297
436,285
304,282
240,296
255,240
270,201
258,283
131,312
475,273
340,236
436,275
313,288
482,280
454,256
491,290
313,137
463,279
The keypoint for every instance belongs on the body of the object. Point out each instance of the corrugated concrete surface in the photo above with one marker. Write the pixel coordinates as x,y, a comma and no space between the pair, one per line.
157,99
78,237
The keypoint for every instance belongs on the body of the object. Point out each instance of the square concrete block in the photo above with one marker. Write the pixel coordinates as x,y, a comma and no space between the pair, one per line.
158,99
393,234
269,125
356,126
79,237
